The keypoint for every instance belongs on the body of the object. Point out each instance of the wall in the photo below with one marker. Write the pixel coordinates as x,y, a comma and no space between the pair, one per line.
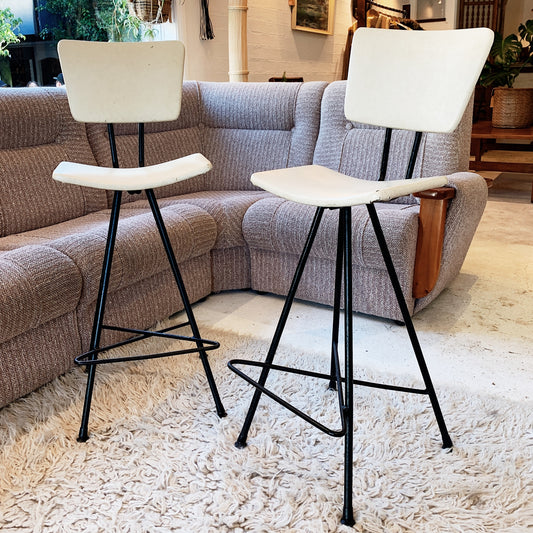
205,60
272,46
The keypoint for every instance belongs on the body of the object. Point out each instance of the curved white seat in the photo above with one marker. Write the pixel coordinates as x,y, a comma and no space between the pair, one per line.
322,187
128,179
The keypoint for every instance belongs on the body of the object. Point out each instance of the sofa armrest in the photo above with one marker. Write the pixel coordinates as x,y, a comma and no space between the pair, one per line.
432,219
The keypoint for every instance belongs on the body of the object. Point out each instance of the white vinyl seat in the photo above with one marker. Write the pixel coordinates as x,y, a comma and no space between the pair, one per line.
322,187
413,80
128,179
104,86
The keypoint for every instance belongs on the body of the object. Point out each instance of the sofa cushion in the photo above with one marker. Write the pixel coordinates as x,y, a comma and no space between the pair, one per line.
276,230
248,127
226,207
37,356
282,226
37,285
37,132
139,253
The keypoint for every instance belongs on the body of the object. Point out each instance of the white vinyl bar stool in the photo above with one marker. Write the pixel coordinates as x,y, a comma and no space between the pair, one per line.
115,83
412,80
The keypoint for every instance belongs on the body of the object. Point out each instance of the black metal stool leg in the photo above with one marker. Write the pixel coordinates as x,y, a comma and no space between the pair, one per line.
99,313
347,512
430,390
241,440
337,301
185,299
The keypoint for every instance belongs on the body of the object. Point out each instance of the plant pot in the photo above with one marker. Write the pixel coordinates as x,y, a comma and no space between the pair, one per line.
152,11
512,108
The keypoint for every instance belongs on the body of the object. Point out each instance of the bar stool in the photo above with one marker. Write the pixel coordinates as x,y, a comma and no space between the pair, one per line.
130,83
419,81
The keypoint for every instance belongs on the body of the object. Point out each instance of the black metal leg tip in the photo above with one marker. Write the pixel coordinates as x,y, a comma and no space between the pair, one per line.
83,437
240,444
348,520
447,444
221,413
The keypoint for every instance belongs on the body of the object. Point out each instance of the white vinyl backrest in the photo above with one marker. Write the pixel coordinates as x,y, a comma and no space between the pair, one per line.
115,82
414,80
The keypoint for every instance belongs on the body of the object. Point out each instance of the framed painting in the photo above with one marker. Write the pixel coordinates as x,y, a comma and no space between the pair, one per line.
316,16
431,10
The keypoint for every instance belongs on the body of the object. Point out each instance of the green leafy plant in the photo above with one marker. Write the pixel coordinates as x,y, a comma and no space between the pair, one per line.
118,20
508,56
95,20
8,26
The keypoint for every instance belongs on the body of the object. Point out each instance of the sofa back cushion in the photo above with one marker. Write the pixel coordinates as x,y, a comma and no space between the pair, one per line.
249,127
37,132
164,141
355,149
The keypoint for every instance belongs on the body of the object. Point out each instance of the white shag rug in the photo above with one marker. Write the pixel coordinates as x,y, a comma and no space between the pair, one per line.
160,460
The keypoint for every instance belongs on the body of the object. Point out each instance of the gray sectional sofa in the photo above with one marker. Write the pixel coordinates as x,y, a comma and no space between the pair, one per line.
226,234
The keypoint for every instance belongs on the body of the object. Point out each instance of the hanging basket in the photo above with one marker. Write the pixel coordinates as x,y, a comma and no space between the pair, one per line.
152,11
512,108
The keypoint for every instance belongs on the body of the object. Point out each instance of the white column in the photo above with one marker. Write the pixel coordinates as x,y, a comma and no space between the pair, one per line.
237,40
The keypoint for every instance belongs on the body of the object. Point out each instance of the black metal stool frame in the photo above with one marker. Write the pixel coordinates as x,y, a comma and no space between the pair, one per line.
344,385
90,358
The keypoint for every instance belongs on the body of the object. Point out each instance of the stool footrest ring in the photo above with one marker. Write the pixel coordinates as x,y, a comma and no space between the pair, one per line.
89,358
332,432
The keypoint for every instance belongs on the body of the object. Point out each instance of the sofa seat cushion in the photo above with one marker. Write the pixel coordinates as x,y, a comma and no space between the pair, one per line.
226,207
276,230
38,284
278,225
139,253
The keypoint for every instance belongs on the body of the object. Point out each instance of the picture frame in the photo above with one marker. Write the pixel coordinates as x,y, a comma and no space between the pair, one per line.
316,16
431,10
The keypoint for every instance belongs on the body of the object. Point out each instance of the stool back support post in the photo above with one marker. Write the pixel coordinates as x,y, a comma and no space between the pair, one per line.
103,86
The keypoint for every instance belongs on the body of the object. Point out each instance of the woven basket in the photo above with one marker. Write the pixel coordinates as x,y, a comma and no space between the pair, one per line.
512,108
152,11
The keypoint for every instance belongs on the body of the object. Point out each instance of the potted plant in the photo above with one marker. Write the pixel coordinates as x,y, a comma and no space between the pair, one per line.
152,11
512,107
8,27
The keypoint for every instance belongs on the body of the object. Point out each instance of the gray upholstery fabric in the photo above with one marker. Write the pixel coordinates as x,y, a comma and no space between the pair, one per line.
37,132
139,253
37,356
248,127
226,207
37,285
226,234
276,231
141,304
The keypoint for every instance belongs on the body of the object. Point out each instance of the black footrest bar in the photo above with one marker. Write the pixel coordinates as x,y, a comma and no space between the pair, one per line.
318,375
332,432
86,359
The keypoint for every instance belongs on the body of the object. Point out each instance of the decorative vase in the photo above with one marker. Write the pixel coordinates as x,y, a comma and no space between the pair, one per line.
512,108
